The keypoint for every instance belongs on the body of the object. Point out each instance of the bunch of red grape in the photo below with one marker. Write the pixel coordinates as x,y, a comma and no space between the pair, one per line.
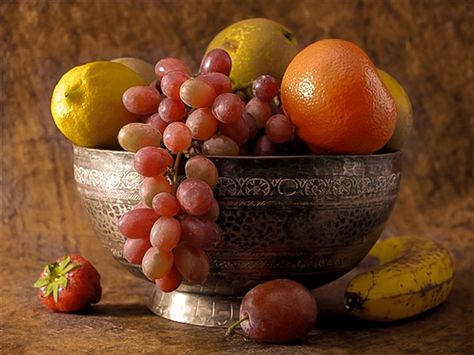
185,118
169,232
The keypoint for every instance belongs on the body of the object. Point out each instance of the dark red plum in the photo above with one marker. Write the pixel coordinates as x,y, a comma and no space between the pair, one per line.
277,311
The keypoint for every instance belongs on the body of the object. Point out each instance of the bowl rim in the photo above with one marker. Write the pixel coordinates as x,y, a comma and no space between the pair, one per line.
264,157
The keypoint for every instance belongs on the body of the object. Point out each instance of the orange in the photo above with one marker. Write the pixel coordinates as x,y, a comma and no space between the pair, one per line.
334,96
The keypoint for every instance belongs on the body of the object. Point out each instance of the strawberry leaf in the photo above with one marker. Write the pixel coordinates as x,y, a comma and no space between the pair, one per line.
63,263
40,283
49,289
55,277
63,281
69,267
56,292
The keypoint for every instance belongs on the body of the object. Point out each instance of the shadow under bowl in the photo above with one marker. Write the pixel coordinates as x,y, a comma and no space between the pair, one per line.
307,218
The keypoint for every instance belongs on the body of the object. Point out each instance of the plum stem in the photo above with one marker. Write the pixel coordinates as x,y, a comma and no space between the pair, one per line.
231,330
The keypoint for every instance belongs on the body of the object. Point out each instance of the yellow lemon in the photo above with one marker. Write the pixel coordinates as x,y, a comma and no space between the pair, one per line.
86,104
257,46
404,111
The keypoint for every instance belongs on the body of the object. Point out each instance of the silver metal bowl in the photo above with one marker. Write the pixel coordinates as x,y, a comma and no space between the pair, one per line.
307,218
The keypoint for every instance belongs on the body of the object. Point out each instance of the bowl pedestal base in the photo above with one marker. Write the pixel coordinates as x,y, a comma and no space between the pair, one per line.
193,308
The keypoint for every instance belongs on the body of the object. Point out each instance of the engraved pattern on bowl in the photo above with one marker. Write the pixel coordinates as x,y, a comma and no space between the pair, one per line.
309,218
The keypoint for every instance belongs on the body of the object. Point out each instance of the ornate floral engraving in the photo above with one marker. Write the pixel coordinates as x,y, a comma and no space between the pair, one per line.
329,187
106,179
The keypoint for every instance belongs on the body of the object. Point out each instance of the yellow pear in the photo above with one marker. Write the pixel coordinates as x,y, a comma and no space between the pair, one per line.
144,69
257,46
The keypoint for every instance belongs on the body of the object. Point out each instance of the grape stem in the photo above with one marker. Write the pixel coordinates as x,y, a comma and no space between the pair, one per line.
231,330
177,161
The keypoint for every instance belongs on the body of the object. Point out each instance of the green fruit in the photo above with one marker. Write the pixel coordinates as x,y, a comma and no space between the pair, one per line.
404,111
144,69
257,46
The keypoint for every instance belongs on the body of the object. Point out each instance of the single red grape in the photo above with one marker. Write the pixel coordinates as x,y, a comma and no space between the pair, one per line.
199,232
202,123
170,64
197,93
260,111
279,129
220,145
251,124
137,223
165,233
134,249
171,110
191,262
213,212
265,147
216,61
265,87
170,281
151,161
135,136
165,204
157,122
195,196
177,137
171,84
238,131
141,100
220,82
228,108
151,186
200,167
157,263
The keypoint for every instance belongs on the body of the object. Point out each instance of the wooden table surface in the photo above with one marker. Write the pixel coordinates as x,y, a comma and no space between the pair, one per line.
427,45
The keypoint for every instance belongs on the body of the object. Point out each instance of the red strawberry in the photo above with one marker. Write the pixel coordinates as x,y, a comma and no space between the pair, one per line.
69,284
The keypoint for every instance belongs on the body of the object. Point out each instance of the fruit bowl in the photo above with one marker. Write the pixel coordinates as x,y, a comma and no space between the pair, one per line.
307,218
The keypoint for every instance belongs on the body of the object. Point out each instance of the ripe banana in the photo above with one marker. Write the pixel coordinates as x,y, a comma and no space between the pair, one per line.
414,275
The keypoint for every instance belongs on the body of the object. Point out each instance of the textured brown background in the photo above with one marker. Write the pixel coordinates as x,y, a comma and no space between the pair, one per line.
427,45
